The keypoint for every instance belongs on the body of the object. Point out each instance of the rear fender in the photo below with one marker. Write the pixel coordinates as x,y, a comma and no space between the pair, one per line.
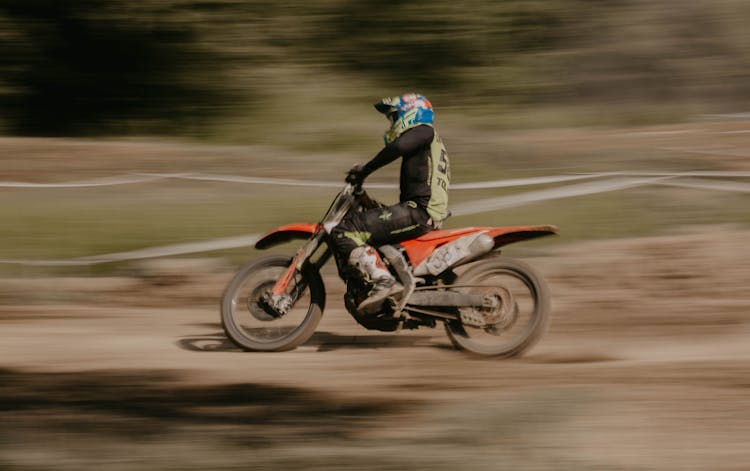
508,235
420,248
285,234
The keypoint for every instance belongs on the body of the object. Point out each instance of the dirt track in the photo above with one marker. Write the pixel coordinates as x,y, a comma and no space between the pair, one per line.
645,367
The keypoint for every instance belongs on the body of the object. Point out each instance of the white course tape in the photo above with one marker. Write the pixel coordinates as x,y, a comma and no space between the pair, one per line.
700,184
153,252
715,174
544,180
108,181
524,181
339,184
510,201
149,177
460,209
44,263
260,180
177,249
722,151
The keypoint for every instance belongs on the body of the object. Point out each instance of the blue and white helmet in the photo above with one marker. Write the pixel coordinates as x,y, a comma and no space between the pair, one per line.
405,112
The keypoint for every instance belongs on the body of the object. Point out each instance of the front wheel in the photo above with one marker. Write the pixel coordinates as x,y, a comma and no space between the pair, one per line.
515,312
251,327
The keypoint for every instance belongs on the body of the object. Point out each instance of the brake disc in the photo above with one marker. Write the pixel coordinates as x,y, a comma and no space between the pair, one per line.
256,305
498,312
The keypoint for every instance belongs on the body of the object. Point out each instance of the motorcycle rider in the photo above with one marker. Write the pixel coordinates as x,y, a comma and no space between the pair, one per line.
423,201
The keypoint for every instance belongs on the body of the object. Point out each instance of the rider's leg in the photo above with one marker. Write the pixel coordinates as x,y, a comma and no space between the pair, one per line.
395,223
350,244
367,260
375,227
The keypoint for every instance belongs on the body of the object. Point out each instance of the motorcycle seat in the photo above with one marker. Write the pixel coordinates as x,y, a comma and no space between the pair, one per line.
445,233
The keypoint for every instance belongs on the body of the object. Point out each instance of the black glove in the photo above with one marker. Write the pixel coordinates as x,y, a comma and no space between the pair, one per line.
365,202
356,175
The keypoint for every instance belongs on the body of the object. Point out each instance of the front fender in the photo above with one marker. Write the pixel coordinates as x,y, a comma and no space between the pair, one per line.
285,234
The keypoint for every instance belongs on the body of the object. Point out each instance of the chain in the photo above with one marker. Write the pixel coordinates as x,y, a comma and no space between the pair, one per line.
442,315
436,287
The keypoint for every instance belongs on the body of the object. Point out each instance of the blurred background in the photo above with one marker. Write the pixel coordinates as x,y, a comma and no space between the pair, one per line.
252,71
648,344
182,86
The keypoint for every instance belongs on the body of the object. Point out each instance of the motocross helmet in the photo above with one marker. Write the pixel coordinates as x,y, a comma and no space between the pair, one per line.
405,112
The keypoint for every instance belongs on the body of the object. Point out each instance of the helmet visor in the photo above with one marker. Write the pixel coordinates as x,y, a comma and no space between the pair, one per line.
383,107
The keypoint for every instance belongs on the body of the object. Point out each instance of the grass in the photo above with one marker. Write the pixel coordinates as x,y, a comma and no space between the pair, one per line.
81,223
69,223
48,226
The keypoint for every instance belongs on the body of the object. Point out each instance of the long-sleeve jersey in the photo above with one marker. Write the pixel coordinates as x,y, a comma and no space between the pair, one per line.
425,169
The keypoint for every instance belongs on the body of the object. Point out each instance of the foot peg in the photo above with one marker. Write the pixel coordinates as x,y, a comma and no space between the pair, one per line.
380,292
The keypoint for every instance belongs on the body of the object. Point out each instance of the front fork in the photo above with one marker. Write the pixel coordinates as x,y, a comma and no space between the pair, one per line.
278,299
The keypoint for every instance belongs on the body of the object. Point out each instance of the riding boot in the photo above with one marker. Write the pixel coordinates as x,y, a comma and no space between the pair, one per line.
367,260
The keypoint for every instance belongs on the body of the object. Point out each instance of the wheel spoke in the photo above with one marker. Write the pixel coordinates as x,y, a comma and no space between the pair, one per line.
513,314
252,324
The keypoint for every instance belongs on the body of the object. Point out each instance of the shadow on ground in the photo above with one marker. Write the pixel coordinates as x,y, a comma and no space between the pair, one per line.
144,403
153,420
150,420
217,341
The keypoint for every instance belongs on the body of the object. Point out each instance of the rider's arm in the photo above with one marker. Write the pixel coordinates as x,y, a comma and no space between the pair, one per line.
406,144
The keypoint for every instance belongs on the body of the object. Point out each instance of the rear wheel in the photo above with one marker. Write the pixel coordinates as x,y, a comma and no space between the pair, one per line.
253,326
515,312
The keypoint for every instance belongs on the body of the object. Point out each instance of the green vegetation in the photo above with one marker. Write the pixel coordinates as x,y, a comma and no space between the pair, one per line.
75,223
296,79
239,70
85,222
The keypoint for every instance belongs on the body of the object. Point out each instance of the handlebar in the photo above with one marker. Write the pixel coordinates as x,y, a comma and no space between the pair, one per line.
352,189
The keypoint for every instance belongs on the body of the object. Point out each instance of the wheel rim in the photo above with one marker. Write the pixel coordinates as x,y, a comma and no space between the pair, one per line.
512,312
249,318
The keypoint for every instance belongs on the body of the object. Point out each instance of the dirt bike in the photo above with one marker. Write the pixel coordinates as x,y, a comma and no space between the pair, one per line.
489,304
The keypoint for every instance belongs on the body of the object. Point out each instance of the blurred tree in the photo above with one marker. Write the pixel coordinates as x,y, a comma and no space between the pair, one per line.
101,66
393,40
478,49
111,66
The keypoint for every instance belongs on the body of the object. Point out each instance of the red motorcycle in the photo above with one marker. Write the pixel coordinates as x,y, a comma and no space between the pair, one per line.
489,304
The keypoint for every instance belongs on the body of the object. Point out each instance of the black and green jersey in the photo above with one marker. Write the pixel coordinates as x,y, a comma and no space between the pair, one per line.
425,169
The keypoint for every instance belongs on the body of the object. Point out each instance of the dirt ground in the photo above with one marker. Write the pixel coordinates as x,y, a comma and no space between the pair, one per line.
646,366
